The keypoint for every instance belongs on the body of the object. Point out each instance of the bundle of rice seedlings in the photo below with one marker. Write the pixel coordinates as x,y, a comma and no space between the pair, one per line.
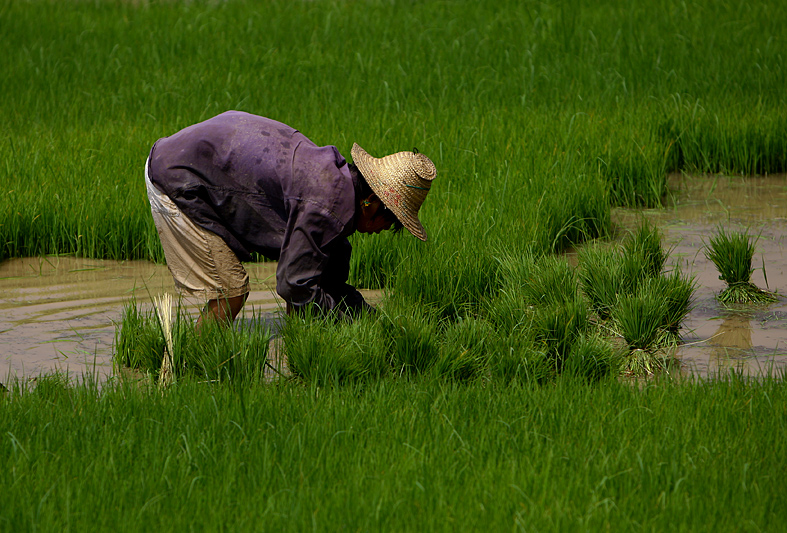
163,306
677,291
326,352
597,268
732,254
592,359
412,338
464,353
600,273
139,342
646,242
639,319
556,327
216,352
550,281
514,358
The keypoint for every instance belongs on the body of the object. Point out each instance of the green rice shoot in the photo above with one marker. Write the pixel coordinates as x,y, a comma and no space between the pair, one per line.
732,253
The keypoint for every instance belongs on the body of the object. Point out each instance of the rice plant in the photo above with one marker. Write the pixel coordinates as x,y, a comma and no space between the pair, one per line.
169,347
732,253
646,241
592,358
323,351
465,349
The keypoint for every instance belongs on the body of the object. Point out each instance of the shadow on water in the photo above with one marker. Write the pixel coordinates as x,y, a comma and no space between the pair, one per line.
751,340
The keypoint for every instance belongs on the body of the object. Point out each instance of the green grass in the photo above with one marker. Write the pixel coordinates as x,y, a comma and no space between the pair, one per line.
396,455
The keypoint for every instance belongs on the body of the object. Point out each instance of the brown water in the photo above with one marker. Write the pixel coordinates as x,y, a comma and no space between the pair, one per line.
59,313
750,339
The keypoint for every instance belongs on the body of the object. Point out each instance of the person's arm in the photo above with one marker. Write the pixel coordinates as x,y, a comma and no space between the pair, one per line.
334,279
315,262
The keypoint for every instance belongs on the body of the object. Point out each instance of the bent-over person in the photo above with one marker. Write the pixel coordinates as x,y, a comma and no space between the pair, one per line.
240,183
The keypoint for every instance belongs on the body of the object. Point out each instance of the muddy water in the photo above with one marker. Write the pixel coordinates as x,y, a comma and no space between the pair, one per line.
59,313
749,339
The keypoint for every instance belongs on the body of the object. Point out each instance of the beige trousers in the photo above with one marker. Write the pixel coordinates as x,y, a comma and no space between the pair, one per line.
201,263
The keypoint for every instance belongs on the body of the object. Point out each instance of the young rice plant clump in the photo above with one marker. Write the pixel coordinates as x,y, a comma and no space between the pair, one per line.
732,254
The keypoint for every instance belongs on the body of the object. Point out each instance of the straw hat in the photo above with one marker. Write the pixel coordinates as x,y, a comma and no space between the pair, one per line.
401,181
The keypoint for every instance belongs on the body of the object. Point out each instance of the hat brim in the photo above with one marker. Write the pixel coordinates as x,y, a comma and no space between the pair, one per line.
376,172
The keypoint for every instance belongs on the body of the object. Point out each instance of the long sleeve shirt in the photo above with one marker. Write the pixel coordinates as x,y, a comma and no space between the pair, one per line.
264,187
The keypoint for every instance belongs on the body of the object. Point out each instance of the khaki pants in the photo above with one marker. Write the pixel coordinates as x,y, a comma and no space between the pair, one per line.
201,263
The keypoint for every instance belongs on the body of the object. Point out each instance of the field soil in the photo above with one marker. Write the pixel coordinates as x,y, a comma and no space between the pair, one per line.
59,313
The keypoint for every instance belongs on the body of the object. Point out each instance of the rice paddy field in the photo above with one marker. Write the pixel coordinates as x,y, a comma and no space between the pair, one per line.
495,387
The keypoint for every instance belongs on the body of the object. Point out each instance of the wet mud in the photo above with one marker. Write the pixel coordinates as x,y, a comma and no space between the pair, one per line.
59,313
751,340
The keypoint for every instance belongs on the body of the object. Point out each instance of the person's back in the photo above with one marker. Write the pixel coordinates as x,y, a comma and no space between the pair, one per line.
244,177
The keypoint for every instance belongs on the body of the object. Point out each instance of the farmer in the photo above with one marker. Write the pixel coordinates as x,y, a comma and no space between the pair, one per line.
239,183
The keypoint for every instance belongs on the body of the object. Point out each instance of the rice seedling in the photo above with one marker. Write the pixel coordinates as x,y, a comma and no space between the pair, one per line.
592,358
465,349
645,241
556,327
322,351
732,254
169,347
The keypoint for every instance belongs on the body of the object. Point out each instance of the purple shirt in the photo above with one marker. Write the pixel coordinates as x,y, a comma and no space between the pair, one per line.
264,187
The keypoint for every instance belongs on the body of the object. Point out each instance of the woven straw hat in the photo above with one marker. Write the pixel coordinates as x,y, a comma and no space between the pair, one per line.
401,181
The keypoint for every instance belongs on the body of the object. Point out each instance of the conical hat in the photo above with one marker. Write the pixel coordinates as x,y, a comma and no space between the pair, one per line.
401,181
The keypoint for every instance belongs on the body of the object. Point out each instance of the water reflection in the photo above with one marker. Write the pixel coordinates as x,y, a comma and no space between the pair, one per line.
732,342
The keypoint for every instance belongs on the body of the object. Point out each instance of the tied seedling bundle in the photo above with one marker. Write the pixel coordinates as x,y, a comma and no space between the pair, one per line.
732,254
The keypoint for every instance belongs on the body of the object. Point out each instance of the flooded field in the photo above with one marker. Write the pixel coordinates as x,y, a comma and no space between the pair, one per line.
750,339
59,313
